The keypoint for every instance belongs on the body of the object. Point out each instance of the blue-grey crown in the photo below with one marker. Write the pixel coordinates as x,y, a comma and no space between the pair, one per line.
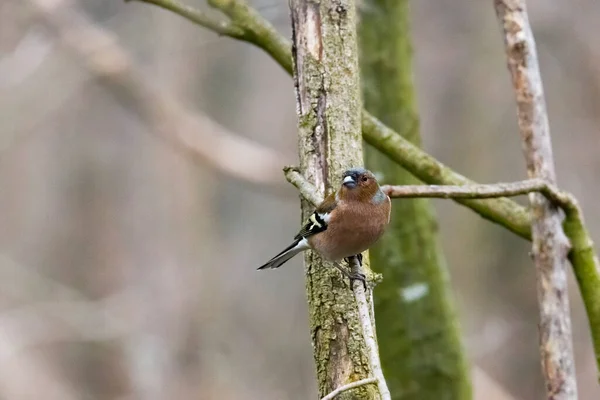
354,172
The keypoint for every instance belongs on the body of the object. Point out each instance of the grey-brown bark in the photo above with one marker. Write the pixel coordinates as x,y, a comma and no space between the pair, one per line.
329,111
550,245
408,256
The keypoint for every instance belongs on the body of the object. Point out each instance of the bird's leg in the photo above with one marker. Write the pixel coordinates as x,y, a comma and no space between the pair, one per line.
360,257
352,275
355,271
342,270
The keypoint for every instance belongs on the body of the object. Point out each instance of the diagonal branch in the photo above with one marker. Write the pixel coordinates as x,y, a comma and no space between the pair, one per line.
550,246
261,33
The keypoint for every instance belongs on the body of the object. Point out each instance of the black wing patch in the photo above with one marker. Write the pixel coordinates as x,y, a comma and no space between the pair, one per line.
316,223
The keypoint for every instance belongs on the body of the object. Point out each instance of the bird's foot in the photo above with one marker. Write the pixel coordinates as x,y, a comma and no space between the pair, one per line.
355,274
355,271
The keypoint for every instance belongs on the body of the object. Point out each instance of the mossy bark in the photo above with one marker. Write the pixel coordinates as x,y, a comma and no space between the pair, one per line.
329,111
423,357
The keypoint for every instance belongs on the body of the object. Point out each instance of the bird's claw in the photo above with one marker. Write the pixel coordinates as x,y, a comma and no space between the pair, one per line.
357,276
353,275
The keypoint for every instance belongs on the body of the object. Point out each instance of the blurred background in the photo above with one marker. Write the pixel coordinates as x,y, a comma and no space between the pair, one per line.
140,162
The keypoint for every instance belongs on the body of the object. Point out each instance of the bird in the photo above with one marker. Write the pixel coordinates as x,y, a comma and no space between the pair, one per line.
348,222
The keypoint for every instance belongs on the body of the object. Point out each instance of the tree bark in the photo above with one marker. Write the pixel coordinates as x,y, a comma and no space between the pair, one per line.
420,332
550,245
329,112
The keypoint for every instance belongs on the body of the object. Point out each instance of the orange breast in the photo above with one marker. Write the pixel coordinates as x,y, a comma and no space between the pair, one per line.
358,230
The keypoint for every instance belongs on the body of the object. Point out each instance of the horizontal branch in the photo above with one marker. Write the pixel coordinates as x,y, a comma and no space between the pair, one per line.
349,386
501,211
260,32
484,191
582,255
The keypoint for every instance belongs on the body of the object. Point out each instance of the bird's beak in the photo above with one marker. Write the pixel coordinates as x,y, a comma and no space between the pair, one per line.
349,182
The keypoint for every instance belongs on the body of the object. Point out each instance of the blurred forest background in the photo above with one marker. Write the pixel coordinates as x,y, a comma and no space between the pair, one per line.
128,262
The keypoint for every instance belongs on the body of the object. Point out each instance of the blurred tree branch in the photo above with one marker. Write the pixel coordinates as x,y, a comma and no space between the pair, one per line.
550,245
261,33
191,132
408,255
70,316
502,211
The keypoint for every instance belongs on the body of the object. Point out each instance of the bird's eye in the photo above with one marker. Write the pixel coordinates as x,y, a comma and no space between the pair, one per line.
364,179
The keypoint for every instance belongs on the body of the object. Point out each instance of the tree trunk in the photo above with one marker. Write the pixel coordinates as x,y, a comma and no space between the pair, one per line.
423,357
329,111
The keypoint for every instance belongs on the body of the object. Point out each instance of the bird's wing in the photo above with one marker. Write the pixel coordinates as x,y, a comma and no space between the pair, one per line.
318,220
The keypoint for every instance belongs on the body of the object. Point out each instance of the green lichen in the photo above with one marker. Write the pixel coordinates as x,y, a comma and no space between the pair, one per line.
423,357
330,84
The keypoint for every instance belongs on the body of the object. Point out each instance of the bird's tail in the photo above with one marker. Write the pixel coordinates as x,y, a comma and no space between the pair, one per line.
296,247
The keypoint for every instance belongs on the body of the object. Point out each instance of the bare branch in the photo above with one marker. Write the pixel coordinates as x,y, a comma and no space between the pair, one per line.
193,133
467,191
349,386
550,246
367,323
484,191
307,190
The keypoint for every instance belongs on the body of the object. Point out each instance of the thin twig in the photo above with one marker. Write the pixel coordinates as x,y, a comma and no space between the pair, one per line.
349,386
550,246
307,190
367,323
483,191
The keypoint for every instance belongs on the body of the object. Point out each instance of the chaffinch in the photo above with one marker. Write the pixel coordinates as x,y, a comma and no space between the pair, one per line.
345,224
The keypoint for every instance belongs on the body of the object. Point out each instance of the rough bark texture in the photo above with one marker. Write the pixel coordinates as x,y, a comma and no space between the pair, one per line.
550,246
329,110
423,357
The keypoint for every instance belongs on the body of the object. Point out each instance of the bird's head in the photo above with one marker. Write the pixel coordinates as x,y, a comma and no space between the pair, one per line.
359,184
